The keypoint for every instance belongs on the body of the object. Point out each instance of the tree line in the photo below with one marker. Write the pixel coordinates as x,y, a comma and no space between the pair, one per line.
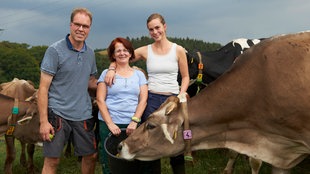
20,60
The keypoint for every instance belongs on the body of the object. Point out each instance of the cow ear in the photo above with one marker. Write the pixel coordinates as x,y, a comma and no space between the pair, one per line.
170,128
172,104
170,108
174,123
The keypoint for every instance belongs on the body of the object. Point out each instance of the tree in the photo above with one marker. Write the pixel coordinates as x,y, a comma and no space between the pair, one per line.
23,61
16,61
38,52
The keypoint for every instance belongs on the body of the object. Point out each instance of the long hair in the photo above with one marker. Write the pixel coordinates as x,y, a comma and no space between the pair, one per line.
155,16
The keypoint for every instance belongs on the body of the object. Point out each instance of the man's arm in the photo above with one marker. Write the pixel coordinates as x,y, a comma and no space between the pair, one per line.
92,86
45,127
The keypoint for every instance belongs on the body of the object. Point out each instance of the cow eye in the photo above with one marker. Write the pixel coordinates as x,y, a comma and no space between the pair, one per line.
150,126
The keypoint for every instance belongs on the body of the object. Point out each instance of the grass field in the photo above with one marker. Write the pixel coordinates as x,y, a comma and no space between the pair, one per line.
205,162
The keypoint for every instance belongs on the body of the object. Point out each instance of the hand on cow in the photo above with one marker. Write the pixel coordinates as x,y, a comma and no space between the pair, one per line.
46,129
109,78
183,97
131,127
114,129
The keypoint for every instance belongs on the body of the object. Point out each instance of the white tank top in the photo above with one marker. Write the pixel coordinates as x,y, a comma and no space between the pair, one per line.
163,71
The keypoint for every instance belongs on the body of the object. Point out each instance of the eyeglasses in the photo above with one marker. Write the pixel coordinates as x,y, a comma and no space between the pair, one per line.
121,50
78,25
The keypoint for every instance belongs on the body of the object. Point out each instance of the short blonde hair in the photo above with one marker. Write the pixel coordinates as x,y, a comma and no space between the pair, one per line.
82,10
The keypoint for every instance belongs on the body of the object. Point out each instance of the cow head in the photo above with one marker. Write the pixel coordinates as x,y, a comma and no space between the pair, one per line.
192,63
27,129
32,111
146,142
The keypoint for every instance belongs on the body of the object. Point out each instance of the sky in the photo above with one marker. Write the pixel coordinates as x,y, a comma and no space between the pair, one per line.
42,22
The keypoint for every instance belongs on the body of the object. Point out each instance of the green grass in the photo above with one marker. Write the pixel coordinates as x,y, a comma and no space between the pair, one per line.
66,166
205,162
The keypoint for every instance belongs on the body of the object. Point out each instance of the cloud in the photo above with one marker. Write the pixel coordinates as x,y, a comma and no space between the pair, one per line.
39,22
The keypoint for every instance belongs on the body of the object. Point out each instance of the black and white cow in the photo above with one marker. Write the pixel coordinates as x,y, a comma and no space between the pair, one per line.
214,63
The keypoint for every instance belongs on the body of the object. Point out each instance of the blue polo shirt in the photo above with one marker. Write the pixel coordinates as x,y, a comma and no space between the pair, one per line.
71,69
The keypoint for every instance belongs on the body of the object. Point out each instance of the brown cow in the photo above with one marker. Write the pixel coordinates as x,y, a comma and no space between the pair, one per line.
27,133
20,89
260,107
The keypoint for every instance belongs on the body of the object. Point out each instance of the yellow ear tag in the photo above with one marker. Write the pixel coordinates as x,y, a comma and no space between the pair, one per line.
175,135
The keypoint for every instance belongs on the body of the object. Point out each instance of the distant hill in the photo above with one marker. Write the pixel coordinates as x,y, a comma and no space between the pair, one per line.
103,52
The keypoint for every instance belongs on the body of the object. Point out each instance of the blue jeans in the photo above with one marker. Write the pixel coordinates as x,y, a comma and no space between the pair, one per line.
153,103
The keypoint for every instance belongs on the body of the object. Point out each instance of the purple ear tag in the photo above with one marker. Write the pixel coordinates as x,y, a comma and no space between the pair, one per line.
187,134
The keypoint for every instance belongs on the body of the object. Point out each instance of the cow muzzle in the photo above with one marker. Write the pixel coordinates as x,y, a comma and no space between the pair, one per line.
123,151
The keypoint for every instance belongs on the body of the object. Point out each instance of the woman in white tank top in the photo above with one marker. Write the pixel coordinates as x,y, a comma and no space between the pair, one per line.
163,59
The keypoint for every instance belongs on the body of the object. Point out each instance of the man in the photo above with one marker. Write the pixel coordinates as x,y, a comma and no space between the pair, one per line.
67,71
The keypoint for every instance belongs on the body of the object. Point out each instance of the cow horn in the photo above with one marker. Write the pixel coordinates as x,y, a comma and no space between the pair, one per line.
166,132
24,120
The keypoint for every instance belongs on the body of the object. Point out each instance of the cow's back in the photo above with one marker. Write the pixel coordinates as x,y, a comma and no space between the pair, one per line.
272,77
287,78
18,88
277,76
261,104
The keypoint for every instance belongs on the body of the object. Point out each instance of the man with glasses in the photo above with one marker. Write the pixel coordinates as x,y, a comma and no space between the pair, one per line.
67,72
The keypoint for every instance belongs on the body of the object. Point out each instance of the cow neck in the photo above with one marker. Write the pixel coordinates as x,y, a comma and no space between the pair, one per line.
13,118
187,133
